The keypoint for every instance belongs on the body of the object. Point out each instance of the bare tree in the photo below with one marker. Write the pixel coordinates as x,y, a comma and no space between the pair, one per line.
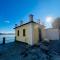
56,24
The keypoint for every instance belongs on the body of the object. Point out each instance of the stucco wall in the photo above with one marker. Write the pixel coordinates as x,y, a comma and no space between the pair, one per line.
32,33
52,34
28,38
36,33
43,32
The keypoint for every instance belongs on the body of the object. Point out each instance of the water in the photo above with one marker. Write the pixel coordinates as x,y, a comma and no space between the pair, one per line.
8,38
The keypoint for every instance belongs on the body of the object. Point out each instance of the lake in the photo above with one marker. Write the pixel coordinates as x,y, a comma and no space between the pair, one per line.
8,38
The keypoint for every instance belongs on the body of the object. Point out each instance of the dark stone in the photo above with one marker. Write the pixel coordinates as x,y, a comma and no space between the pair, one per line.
0,54
3,40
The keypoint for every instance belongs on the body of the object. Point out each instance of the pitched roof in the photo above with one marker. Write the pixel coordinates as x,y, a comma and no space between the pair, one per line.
25,24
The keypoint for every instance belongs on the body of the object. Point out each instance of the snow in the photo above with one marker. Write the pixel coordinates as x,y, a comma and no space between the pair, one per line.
22,51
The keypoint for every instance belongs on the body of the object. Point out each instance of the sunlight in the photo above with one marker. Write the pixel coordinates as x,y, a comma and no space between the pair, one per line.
49,19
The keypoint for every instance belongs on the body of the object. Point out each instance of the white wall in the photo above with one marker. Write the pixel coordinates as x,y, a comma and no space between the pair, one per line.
52,34
29,38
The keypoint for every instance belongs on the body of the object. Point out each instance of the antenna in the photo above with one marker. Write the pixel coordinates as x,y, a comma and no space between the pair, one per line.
21,22
15,25
39,21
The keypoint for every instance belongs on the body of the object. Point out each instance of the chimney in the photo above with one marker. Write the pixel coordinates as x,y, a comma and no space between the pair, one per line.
31,17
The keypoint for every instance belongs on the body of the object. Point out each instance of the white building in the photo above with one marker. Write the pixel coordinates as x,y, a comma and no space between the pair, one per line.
32,32
51,34
28,32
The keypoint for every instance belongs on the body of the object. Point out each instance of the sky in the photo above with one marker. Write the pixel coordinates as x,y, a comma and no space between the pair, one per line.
13,11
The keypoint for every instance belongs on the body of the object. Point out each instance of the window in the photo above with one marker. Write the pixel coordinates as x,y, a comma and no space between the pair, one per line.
18,33
24,32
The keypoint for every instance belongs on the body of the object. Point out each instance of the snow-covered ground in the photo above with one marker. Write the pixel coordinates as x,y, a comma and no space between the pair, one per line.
21,51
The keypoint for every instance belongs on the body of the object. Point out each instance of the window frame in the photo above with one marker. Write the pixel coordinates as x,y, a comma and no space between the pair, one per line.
24,32
18,33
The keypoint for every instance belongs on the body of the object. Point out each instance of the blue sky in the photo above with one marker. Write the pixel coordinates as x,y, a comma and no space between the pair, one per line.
12,11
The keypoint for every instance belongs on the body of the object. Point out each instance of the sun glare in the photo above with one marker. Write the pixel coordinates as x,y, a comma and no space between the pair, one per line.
49,19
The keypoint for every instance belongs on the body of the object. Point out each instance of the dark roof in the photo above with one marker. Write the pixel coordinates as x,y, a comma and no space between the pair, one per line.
25,24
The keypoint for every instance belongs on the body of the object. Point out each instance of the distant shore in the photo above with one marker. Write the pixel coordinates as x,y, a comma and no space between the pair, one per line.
7,33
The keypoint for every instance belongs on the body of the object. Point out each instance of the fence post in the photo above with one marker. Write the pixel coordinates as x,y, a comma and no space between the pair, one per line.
15,38
3,40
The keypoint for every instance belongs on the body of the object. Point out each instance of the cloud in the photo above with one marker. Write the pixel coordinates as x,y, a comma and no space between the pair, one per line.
7,21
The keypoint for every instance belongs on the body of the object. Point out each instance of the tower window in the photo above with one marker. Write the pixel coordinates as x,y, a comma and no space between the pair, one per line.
18,33
24,32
